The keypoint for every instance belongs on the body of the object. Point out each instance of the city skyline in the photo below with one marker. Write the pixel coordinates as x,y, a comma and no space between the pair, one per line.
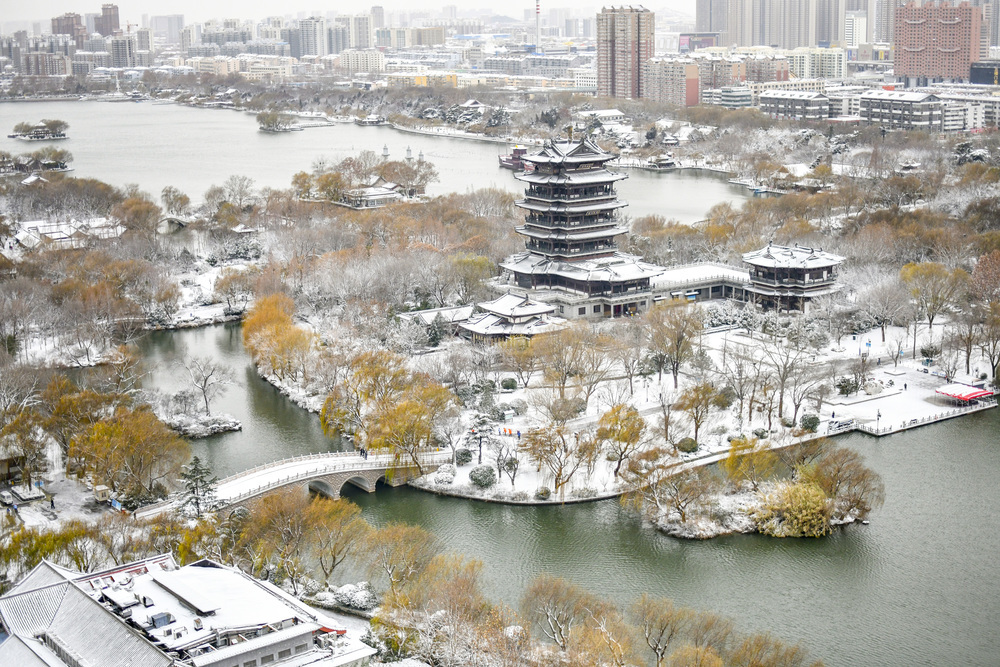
195,11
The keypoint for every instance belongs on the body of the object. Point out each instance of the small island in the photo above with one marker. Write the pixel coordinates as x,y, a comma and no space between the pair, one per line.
45,130
273,121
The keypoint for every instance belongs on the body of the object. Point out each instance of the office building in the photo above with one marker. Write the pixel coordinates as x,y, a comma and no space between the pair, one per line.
624,43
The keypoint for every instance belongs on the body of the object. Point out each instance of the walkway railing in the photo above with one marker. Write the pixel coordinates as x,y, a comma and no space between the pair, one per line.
377,462
907,424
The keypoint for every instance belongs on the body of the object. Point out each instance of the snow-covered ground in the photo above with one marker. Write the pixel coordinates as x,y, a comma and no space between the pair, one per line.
65,499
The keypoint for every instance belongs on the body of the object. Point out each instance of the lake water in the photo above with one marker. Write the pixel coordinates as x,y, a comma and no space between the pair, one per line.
918,586
156,145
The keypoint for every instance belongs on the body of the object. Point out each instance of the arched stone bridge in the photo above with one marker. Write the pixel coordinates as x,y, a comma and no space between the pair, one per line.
323,473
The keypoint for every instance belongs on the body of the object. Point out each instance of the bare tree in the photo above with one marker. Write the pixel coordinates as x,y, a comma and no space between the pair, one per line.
209,378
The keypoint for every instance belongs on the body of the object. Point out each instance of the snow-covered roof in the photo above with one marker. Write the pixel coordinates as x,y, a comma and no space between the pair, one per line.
490,325
516,306
798,257
568,153
63,615
898,95
450,314
34,178
180,609
618,267
963,392
791,95
573,178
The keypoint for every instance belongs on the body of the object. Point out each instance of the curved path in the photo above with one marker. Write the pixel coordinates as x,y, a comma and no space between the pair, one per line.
326,473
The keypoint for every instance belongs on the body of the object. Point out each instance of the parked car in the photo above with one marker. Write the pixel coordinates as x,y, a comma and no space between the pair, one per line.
6,497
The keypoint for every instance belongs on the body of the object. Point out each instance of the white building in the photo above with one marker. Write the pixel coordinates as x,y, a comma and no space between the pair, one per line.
818,63
155,614
312,36
360,60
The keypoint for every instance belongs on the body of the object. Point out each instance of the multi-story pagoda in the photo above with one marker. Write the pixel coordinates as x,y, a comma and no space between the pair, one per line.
571,223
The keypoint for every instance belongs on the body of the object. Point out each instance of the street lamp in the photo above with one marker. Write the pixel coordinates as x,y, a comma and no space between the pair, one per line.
480,449
878,416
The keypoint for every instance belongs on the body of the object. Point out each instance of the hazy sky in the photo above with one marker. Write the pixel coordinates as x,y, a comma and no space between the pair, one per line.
201,10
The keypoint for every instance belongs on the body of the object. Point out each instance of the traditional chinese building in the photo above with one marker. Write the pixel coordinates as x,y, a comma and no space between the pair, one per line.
571,224
788,278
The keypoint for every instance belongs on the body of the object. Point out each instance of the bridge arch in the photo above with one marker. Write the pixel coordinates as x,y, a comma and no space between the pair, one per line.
323,488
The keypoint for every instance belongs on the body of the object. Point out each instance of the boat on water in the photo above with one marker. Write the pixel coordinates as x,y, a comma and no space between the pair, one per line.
38,133
370,119
513,159
662,162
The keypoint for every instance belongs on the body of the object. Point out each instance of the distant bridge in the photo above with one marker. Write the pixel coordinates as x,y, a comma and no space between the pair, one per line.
323,473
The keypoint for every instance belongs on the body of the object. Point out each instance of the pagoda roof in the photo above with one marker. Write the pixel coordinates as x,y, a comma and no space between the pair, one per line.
589,177
791,257
570,208
568,153
560,235
619,267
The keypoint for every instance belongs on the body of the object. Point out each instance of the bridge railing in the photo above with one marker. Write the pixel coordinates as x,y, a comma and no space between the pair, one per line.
275,464
381,461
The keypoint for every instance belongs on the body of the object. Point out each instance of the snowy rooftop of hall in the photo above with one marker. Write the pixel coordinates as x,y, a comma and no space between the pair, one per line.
488,324
516,306
178,609
615,268
791,257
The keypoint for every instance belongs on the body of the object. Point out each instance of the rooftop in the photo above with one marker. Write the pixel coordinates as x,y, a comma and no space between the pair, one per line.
798,257
136,613
619,267
568,153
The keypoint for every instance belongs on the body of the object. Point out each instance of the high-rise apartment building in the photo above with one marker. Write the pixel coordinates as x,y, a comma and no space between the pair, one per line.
624,44
785,24
865,8
107,23
144,39
830,17
168,28
378,17
937,41
123,51
855,29
313,39
885,19
70,24
710,15
338,37
361,31
672,81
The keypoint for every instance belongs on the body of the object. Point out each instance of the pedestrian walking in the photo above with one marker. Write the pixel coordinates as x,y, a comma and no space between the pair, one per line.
904,386
833,415
518,435
52,502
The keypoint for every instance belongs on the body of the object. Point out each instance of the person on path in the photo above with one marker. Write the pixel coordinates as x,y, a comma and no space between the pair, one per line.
832,415
518,435
52,502
904,386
